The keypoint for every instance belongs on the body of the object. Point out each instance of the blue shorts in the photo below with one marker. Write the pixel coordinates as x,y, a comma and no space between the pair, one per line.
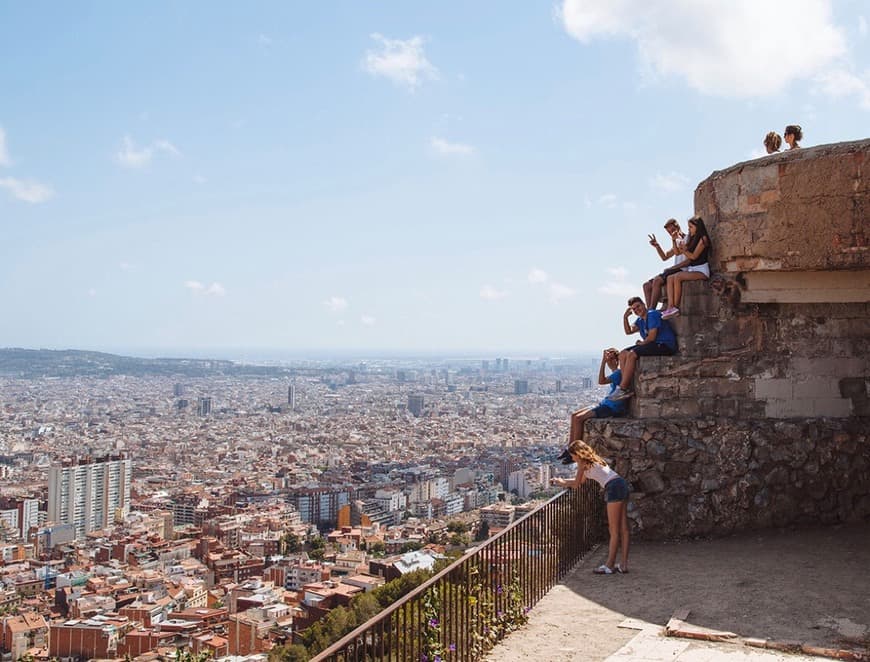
603,411
616,490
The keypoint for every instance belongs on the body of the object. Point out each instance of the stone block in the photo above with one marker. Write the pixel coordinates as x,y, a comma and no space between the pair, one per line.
651,482
817,387
782,408
645,408
834,367
774,388
833,407
680,407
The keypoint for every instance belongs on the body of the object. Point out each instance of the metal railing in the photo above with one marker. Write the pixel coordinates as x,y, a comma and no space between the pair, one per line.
465,609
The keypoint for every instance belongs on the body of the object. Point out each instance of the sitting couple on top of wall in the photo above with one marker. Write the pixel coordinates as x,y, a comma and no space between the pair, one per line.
691,262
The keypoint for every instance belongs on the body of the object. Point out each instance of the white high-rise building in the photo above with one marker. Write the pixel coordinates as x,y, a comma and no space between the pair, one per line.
89,493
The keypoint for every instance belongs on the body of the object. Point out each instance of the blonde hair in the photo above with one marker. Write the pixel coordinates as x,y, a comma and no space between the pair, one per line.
584,452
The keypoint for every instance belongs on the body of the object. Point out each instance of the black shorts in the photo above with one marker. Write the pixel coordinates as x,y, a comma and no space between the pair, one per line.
652,349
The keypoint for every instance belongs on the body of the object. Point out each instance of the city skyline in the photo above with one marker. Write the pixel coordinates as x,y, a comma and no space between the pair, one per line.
207,180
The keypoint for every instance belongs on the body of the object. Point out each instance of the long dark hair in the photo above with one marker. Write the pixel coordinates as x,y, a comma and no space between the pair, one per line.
699,233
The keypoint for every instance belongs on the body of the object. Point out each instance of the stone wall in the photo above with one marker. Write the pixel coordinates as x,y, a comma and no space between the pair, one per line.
763,418
713,476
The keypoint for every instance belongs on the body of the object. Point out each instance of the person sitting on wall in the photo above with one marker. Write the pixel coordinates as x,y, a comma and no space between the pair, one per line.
657,338
652,289
793,134
772,142
606,408
694,266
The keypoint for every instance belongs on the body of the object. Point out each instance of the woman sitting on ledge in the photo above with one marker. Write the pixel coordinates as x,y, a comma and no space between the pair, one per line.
695,265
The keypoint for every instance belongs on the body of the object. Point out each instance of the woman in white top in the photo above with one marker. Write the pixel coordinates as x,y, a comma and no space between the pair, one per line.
590,465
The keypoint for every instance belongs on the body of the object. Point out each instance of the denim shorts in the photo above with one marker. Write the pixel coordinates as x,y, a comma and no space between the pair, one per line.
616,490
603,411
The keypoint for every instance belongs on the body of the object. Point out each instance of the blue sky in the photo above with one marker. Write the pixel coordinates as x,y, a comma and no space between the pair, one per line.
450,176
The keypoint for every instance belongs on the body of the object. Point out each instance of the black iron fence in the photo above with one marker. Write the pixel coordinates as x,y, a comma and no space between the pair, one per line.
464,610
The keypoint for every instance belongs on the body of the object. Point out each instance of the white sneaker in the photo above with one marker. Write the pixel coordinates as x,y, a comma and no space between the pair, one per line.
619,394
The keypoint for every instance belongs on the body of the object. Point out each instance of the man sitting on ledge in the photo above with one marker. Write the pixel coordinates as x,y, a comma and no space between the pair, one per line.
657,338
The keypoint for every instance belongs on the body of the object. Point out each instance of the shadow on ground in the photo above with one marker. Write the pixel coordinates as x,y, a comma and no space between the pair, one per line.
805,585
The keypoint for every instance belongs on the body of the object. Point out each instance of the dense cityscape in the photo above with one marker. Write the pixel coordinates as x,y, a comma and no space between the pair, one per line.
224,513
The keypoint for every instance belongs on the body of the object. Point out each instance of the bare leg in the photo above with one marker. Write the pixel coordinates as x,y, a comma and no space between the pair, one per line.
627,362
614,525
624,536
679,279
578,418
656,287
647,293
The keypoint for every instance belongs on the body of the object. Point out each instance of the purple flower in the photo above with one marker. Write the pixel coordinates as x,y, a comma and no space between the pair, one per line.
423,657
526,609
437,658
452,648
499,614
499,589
433,622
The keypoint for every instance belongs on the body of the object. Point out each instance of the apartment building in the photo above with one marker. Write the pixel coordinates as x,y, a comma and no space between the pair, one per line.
89,493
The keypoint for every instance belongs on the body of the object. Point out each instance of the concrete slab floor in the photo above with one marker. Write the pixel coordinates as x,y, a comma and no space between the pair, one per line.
802,585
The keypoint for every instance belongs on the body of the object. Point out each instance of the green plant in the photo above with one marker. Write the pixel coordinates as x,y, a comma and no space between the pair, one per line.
495,610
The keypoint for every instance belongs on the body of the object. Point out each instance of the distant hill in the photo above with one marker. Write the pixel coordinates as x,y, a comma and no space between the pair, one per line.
17,362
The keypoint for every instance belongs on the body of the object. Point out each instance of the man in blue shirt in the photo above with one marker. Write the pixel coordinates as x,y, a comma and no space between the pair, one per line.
657,338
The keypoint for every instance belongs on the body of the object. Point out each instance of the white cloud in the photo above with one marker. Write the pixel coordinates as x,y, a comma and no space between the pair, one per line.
862,26
538,276
838,83
619,273
131,156
446,148
402,61
707,44
199,179
618,285
215,289
4,153
335,304
264,39
669,183
489,293
92,292
608,200
367,320
126,266
27,190
558,292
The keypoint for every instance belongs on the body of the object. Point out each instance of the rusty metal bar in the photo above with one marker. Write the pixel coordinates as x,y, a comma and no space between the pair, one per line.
475,591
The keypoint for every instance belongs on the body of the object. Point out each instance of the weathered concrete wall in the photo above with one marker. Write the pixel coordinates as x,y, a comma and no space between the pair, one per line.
806,209
760,361
712,476
763,417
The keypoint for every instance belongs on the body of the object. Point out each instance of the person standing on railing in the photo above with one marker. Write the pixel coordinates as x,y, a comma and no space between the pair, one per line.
616,493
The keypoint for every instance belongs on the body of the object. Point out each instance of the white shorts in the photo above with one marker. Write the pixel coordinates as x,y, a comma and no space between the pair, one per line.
701,268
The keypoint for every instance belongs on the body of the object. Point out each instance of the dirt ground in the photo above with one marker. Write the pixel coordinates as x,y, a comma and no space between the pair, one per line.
806,585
